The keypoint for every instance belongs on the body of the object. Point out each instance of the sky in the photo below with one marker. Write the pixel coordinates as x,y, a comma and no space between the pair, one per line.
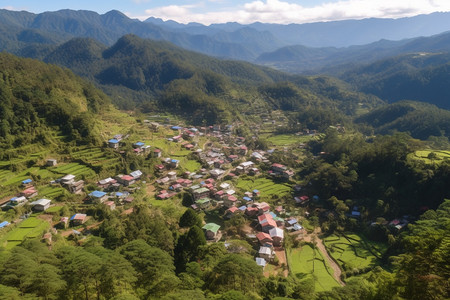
244,11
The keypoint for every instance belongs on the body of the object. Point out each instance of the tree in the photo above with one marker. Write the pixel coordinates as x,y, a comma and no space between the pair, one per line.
47,282
190,218
81,271
187,248
155,269
234,272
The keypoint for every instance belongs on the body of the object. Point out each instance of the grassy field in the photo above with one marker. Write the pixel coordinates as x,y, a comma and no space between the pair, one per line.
352,252
307,261
267,187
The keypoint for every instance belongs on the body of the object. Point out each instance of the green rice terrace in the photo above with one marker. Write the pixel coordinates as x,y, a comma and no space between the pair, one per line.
267,187
353,253
308,261
431,156
30,228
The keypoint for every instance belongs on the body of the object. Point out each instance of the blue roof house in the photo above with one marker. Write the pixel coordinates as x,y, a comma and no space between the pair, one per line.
98,196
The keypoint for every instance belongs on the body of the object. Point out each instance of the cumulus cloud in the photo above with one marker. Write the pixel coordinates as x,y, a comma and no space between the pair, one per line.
284,12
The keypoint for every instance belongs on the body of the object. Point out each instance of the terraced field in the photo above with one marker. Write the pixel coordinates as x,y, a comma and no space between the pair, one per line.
308,261
352,252
267,187
29,228
437,156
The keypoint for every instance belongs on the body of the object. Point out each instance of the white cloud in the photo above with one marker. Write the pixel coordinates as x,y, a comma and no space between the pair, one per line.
283,12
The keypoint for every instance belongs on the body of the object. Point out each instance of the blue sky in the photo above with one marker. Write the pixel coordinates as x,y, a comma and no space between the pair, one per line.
244,11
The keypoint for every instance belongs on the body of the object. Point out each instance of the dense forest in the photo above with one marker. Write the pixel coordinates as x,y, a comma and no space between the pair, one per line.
37,98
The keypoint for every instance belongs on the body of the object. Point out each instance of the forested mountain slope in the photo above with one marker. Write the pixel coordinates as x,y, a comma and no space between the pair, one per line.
144,73
422,77
38,100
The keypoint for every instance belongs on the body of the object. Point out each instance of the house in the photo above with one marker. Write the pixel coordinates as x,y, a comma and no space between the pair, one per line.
219,195
200,193
111,205
173,163
126,180
4,224
172,175
247,165
113,143
291,221
75,187
136,174
264,238
139,145
277,235
67,179
27,183
260,261
211,230
266,253
156,153
78,219
262,207
203,202
98,196
216,173
51,162
231,211
266,222
251,211
243,150
154,126
16,201
230,201
63,222
104,183
41,204
302,200
29,192
278,168
225,186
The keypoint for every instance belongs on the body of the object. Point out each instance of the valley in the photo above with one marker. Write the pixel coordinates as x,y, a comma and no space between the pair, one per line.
132,168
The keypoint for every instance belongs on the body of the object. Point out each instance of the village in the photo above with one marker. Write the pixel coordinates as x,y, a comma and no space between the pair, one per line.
215,189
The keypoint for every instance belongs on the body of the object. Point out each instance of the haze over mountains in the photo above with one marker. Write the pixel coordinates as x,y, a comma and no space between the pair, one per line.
230,40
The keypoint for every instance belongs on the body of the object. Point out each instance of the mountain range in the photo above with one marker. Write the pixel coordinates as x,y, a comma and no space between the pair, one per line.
151,69
229,40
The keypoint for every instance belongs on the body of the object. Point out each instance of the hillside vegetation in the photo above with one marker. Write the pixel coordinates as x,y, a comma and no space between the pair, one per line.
39,100
150,75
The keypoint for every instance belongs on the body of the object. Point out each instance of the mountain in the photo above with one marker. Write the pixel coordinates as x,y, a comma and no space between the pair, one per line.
421,120
332,34
422,77
330,60
230,40
40,101
23,28
150,74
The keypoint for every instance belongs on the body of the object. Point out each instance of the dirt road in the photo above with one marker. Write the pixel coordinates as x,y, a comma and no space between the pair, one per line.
314,238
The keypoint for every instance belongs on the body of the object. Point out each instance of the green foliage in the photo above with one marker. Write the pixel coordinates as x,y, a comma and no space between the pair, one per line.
421,120
35,97
190,218
234,272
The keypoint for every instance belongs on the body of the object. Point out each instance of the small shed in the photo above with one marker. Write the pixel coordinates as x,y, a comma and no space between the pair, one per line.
51,162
